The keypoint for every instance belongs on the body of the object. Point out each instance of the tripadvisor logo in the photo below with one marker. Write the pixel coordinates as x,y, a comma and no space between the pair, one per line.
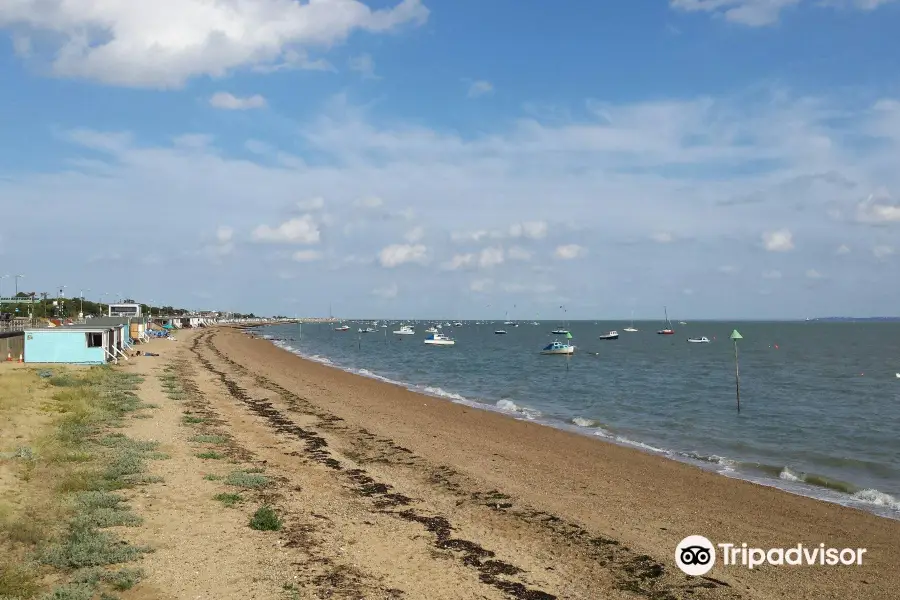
695,555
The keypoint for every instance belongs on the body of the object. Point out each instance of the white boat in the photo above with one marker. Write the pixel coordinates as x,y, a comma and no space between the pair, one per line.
342,328
560,331
457,324
366,330
405,330
431,330
558,348
612,335
631,329
500,332
699,340
439,339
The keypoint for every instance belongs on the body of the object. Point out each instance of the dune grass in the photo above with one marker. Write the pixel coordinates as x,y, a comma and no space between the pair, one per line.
66,501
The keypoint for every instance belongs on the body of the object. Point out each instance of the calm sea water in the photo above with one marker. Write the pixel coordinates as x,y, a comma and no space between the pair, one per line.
820,402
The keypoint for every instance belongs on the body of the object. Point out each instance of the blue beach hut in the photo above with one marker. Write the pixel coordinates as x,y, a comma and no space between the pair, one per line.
70,345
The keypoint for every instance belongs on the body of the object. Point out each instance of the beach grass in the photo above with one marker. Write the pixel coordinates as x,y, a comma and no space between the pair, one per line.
71,459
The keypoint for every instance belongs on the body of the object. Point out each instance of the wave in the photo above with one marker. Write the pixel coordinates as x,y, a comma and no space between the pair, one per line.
782,477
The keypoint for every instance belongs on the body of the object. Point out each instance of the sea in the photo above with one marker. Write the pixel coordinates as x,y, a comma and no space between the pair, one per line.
819,402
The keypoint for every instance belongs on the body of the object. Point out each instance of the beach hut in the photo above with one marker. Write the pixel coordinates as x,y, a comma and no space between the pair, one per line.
84,345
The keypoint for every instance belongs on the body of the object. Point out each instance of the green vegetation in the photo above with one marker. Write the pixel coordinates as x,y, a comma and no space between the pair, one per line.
265,519
246,479
228,499
62,512
209,439
213,477
210,455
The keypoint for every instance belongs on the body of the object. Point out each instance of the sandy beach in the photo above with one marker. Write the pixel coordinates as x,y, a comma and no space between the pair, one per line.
385,493
580,517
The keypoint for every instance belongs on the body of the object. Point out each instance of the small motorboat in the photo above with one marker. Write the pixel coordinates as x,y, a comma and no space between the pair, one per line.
612,335
699,340
457,324
431,330
439,339
342,328
405,330
558,348
500,332
560,331
366,330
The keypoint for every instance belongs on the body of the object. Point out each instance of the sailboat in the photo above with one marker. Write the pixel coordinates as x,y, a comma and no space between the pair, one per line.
668,328
631,329
562,330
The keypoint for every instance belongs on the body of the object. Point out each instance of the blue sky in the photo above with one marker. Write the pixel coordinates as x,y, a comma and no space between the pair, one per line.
725,158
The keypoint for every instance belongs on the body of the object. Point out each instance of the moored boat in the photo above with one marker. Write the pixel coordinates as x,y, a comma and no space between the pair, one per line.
612,335
699,340
439,339
558,348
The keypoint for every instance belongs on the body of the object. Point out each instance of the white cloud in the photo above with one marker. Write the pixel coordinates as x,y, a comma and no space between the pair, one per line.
878,210
369,202
363,64
317,203
780,240
518,253
534,230
771,274
302,230
758,13
490,257
486,259
416,234
481,285
226,101
224,234
470,236
306,256
663,237
480,88
569,251
882,251
167,42
399,254
813,274
842,249
387,292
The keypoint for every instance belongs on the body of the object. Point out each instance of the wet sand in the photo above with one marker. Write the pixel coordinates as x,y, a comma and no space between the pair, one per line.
395,494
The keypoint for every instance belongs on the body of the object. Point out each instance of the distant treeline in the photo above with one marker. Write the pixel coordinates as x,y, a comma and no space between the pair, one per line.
70,307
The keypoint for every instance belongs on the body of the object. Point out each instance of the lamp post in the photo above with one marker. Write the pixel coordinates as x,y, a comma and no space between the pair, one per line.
101,302
18,277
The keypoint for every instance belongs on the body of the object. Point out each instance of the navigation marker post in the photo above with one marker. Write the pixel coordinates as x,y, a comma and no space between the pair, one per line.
735,336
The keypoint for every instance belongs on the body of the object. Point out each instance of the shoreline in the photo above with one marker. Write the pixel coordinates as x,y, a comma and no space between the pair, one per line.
779,477
644,501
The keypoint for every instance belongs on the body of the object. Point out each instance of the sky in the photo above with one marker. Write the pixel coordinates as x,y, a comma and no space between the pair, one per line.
464,159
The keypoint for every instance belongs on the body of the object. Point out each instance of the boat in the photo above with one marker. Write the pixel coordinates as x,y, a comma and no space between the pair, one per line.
457,324
439,339
431,330
558,348
630,328
699,340
667,330
342,328
560,331
500,332
612,335
367,330
405,330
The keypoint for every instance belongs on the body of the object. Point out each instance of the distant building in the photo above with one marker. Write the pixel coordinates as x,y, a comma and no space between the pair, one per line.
124,310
